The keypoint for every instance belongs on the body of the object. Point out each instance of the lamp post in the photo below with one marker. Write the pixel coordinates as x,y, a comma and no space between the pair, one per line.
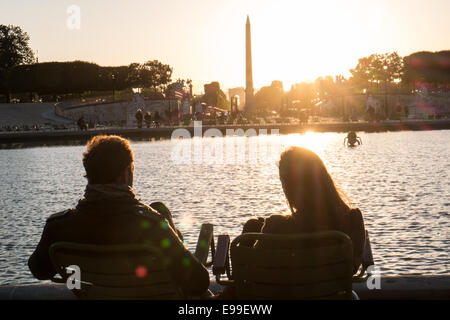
385,90
114,86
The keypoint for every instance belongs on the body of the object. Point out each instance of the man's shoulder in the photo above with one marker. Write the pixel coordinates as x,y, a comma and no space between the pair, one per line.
147,211
60,215
356,216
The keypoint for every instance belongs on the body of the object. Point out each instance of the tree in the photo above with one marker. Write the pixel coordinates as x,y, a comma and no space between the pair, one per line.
14,50
377,68
154,74
153,93
214,96
270,98
54,77
133,75
80,76
151,74
178,85
432,68
303,93
325,87
113,78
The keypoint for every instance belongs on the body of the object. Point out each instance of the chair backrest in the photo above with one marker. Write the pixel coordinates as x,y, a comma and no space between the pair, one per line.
116,272
301,266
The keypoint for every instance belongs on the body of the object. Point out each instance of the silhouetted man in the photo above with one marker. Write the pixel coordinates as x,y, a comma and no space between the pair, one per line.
81,123
157,119
110,214
139,117
148,119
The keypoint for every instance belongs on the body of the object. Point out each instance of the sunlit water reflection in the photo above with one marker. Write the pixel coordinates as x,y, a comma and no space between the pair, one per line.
399,180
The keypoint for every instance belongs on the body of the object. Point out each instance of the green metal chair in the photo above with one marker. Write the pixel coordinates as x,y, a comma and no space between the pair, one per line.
122,271
115,272
301,266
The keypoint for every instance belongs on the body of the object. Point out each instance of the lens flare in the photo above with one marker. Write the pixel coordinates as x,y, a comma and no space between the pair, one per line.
141,272
186,220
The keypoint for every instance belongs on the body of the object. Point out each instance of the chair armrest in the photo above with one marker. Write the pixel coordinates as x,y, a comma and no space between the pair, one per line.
204,242
367,255
367,260
58,279
221,256
221,262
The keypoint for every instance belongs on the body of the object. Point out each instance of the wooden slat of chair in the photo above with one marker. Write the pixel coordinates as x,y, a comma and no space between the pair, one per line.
204,243
112,271
292,258
221,256
318,266
108,264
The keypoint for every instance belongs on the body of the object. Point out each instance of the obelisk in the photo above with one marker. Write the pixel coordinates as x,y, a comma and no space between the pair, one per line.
248,69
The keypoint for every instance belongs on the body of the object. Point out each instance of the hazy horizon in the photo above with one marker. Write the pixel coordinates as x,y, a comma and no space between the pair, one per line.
292,41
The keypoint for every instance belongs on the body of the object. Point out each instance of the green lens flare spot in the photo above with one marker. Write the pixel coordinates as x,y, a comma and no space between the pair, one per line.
203,243
164,225
165,243
186,262
145,224
167,261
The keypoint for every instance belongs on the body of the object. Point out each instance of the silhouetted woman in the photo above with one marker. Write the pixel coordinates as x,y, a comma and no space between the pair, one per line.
316,203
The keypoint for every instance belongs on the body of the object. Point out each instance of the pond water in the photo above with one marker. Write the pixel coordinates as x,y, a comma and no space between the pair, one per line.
399,180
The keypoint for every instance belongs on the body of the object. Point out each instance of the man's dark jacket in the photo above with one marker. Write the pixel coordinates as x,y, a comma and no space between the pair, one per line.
111,215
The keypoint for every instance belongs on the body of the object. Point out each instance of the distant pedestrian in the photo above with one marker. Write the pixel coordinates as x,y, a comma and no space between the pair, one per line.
148,119
81,123
303,117
371,114
139,117
406,111
157,119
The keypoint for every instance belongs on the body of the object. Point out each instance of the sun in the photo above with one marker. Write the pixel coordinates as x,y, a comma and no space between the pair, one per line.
314,141
309,39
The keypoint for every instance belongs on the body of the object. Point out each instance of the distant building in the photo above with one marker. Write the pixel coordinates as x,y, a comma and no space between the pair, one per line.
374,103
212,88
122,111
240,92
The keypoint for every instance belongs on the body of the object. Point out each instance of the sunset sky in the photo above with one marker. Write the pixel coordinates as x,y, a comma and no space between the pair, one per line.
292,40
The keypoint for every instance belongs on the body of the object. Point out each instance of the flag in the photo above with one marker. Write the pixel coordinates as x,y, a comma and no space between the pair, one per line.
179,94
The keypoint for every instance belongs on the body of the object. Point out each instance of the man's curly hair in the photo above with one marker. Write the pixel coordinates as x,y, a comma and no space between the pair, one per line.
106,158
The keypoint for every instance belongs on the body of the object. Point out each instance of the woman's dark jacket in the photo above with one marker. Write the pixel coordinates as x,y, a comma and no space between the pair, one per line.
351,224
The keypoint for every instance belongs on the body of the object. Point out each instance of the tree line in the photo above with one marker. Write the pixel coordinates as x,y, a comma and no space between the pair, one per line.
20,72
79,76
376,74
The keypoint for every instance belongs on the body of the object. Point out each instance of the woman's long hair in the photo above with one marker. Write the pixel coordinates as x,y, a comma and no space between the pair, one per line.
312,196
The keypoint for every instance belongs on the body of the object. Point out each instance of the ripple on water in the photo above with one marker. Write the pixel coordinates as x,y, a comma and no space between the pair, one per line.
399,180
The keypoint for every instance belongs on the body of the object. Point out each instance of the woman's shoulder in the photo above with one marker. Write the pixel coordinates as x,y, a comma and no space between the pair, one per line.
354,220
355,211
356,215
